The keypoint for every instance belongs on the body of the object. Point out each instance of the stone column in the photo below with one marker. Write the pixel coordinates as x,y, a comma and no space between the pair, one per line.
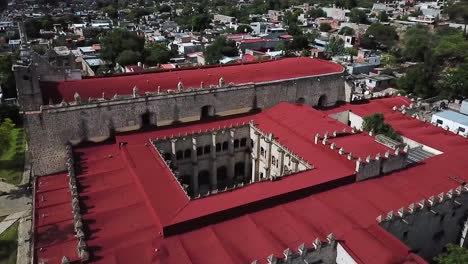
268,165
282,162
213,144
195,180
214,175
194,150
246,164
295,165
173,151
256,169
231,155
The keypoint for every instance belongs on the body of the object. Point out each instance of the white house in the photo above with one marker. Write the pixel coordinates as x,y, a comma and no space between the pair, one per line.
453,121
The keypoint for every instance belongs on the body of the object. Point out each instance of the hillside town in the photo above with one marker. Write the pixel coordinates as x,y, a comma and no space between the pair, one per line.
233,131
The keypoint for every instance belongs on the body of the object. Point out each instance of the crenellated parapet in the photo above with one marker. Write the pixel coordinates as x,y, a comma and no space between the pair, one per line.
82,247
317,251
429,224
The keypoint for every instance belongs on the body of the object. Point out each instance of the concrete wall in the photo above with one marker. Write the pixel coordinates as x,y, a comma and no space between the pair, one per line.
342,256
428,230
95,121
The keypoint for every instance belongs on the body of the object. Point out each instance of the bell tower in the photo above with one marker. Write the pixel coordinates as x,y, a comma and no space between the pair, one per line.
26,76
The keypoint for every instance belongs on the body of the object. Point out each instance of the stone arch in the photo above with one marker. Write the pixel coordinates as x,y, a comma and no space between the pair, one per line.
146,119
207,111
300,100
239,169
179,155
204,178
187,153
322,101
222,176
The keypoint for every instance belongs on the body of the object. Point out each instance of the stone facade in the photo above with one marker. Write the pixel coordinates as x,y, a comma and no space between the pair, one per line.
212,161
427,226
50,127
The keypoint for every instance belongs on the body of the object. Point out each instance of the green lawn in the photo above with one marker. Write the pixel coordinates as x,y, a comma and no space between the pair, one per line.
12,161
9,244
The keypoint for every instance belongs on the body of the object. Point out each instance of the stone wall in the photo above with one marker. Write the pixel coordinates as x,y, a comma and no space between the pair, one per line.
52,127
427,226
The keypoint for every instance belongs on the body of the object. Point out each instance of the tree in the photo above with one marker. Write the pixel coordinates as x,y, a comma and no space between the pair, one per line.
420,80
244,29
376,123
388,59
316,12
111,11
118,41
379,36
164,9
157,53
325,27
11,112
7,79
415,42
452,48
454,82
346,31
458,12
357,15
299,42
454,255
334,47
128,57
219,48
383,17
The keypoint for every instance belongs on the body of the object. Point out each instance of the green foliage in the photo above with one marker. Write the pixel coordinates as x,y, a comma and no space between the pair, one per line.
454,81
416,41
325,27
383,17
195,18
454,255
376,123
128,57
299,42
11,112
7,79
157,53
346,31
357,15
351,51
118,41
379,36
421,79
5,131
316,12
111,11
452,47
164,9
219,48
9,244
244,29
388,60
458,12
334,47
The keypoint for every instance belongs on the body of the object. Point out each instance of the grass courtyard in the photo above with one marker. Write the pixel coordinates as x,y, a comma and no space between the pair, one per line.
12,160
8,245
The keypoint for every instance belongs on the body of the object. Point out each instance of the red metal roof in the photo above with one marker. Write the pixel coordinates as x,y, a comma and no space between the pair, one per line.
191,78
130,196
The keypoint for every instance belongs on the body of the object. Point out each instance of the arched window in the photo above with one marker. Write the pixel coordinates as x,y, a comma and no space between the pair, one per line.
199,151
187,153
243,142
218,147
207,149
262,151
236,143
273,160
252,144
179,155
225,145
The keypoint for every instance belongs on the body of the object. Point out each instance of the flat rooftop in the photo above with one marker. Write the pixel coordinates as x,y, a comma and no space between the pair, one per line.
453,116
288,68
135,212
